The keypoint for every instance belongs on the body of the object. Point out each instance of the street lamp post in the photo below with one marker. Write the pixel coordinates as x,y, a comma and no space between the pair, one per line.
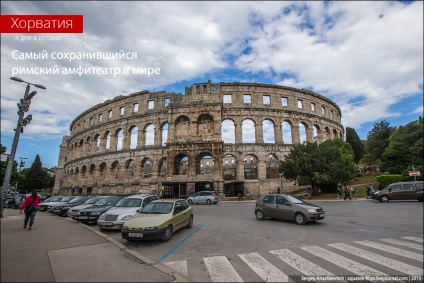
22,163
23,107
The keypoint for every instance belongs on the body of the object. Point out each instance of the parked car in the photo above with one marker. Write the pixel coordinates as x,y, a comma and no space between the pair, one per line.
43,206
92,213
12,202
205,197
64,200
158,220
401,191
114,218
87,203
61,209
287,207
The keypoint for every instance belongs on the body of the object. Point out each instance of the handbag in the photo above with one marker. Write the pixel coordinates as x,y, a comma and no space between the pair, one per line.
29,208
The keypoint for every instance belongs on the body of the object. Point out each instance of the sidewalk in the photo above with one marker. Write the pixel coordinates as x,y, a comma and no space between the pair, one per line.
60,250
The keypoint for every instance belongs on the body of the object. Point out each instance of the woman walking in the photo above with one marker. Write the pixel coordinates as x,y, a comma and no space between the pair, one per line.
30,207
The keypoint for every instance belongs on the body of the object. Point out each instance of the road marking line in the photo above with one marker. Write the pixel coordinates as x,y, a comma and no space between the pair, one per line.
343,262
303,265
402,243
262,267
178,266
414,239
392,250
391,263
221,270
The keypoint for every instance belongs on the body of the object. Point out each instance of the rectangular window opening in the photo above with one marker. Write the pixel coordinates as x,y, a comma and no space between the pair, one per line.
227,98
284,101
266,99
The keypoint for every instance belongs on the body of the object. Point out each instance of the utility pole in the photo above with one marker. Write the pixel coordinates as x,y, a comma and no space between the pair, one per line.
23,107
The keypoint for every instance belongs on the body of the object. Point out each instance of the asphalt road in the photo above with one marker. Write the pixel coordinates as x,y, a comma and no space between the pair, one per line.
232,228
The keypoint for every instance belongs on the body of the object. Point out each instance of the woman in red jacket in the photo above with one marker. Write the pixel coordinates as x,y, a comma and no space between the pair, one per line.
34,200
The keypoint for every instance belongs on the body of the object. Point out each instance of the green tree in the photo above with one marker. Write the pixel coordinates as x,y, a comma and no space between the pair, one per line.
320,166
405,148
36,176
15,176
355,142
378,140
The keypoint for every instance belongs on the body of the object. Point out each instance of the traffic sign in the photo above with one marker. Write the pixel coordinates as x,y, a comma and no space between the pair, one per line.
414,173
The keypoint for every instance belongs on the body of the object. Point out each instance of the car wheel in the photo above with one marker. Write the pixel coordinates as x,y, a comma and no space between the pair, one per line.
300,218
208,201
190,222
168,234
384,198
190,201
260,215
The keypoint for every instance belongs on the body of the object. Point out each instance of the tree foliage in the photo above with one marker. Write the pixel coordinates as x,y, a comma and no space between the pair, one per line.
319,165
36,177
405,149
355,142
15,176
378,140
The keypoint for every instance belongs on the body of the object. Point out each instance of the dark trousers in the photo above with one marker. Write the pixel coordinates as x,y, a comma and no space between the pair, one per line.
347,195
30,216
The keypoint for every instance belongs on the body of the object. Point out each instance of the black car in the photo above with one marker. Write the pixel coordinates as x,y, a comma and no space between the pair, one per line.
92,213
43,206
62,208
12,202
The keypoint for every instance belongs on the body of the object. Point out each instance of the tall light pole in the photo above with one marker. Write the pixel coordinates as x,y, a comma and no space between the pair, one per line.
23,107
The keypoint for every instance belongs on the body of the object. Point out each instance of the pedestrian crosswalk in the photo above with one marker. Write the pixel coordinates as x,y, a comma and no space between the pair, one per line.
381,257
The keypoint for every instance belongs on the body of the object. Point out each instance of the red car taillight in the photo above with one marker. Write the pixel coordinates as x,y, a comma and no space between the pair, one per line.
213,194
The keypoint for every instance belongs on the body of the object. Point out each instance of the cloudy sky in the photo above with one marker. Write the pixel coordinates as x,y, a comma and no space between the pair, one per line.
365,56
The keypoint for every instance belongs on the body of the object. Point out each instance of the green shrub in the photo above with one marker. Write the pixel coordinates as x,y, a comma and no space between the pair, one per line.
385,180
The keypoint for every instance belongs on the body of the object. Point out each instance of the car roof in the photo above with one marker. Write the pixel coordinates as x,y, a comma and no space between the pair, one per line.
140,196
168,200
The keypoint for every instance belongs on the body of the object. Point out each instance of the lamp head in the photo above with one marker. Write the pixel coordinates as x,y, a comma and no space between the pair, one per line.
17,79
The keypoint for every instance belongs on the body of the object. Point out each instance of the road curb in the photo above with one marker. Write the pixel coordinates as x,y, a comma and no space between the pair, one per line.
160,267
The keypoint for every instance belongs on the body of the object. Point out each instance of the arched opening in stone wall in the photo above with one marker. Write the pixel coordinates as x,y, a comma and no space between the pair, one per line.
97,139
182,127
162,167
228,133
164,134
250,167
204,164
72,171
268,131
272,168
102,168
205,126
81,143
120,139
181,165
341,135
88,141
335,135
150,135
83,170
287,133
147,167
248,131
316,131
115,169
229,167
129,168
302,133
107,137
133,137
327,133
92,169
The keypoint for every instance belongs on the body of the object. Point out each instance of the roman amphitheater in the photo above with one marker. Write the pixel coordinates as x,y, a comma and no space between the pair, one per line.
227,137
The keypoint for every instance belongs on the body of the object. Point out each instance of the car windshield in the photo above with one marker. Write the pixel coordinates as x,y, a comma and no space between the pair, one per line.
65,199
92,200
77,200
55,199
129,202
294,200
106,202
157,208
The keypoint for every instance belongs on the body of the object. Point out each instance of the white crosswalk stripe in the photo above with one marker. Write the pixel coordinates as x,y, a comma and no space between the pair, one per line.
262,267
391,263
392,250
303,265
221,270
403,243
343,262
414,239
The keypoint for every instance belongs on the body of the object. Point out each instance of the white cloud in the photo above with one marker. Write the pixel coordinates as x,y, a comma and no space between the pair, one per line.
419,110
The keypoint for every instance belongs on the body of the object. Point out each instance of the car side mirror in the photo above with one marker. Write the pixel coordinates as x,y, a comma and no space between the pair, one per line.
390,190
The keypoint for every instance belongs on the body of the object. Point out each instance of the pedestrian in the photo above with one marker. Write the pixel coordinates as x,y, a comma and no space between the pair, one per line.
308,192
353,191
371,191
30,206
380,186
278,191
339,191
346,191
368,191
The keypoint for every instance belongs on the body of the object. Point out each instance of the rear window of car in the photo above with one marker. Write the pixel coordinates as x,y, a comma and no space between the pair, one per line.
205,193
419,186
268,199
129,202
408,187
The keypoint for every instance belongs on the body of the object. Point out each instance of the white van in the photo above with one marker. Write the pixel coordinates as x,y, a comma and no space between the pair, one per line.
114,218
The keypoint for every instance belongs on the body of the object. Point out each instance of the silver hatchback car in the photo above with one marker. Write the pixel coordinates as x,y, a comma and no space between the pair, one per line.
287,207
205,197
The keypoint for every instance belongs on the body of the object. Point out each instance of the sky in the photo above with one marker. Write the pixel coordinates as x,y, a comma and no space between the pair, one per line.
366,56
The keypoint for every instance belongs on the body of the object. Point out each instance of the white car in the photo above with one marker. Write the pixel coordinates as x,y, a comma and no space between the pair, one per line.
114,218
91,201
